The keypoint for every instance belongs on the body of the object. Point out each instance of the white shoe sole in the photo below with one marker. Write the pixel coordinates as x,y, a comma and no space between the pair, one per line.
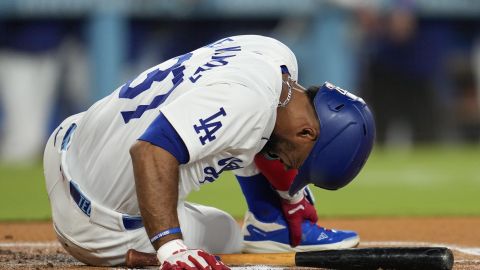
275,247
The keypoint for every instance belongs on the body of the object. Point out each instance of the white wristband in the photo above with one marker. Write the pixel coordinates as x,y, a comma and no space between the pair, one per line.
167,249
297,197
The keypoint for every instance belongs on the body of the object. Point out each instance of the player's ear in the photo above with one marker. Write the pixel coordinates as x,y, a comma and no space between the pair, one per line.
307,133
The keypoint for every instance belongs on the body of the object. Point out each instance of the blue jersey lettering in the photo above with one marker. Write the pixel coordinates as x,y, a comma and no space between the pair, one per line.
158,75
217,60
227,164
218,42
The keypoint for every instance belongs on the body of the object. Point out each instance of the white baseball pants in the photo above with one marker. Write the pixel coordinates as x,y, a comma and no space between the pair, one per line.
203,227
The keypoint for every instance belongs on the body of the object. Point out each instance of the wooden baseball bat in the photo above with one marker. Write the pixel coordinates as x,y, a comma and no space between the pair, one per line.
408,258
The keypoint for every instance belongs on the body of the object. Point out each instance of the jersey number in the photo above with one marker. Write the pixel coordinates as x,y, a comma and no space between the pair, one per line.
157,75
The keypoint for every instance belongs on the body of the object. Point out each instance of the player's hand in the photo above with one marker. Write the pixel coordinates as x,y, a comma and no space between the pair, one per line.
192,259
295,213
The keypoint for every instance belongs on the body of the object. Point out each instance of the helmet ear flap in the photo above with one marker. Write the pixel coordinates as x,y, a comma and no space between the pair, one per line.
347,132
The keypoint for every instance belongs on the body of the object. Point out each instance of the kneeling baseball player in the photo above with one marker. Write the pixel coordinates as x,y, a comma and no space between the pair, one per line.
117,175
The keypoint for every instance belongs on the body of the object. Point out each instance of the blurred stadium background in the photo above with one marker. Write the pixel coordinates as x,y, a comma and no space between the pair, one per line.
417,63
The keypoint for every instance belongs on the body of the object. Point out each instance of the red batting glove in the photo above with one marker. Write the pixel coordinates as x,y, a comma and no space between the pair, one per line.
295,214
175,255
193,259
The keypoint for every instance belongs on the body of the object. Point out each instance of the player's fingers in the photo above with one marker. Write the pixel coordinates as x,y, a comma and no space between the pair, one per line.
223,266
168,266
313,217
295,232
212,261
185,266
197,264
165,266
208,258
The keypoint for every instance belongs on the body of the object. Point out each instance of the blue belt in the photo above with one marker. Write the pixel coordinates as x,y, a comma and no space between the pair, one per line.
129,222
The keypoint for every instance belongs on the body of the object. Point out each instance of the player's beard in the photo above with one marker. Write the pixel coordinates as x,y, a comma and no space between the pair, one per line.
275,145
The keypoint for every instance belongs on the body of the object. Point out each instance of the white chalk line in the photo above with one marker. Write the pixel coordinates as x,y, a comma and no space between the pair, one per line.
259,267
466,250
467,261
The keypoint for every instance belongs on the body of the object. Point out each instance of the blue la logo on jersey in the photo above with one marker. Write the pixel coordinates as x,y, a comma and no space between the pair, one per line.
209,127
227,164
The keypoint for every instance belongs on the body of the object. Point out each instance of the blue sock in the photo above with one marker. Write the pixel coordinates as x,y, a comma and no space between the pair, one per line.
261,199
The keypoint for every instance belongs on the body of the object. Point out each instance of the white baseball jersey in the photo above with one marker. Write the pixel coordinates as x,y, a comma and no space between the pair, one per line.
221,99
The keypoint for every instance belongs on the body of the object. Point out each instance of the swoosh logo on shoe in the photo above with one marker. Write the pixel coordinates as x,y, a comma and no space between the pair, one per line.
294,210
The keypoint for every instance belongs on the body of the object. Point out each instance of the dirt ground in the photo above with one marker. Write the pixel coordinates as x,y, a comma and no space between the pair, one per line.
33,245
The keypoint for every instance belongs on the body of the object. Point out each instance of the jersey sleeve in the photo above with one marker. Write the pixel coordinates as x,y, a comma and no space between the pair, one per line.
162,134
225,116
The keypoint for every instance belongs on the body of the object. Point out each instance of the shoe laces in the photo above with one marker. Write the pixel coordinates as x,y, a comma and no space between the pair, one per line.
324,228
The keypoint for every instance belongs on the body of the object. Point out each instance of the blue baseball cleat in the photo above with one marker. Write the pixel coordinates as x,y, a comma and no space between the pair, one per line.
273,237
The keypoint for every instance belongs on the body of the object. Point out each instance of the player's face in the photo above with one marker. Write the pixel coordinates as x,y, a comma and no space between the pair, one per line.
277,145
292,153
296,128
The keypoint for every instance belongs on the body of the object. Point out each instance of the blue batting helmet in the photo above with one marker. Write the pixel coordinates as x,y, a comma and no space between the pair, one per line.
347,131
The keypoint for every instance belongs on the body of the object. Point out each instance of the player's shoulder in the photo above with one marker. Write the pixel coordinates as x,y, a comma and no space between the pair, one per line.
250,81
245,94
265,40
274,50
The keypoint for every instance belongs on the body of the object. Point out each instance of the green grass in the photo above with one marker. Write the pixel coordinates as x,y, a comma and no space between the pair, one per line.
429,181
22,193
394,182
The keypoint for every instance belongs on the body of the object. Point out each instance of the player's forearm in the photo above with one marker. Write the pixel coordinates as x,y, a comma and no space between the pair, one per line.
156,180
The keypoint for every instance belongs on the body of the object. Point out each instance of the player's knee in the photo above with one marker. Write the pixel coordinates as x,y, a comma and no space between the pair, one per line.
221,233
100,257
228,234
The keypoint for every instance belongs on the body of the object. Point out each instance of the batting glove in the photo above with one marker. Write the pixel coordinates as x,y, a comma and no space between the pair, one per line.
297,209
186,259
